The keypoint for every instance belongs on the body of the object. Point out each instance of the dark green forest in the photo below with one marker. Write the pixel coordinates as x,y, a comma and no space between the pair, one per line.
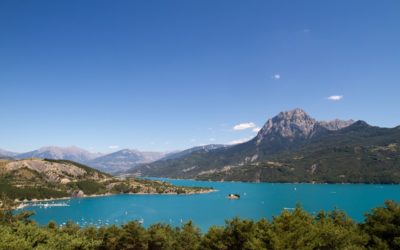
295,229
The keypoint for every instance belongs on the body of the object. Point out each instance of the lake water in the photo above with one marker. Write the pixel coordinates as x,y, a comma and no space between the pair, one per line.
258,200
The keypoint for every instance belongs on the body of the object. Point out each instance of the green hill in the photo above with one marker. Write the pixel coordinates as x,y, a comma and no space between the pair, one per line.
45,179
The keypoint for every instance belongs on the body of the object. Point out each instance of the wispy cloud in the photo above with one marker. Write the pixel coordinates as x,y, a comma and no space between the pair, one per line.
243,126
335,97
212,139
276,76
113,147
238,141
256,129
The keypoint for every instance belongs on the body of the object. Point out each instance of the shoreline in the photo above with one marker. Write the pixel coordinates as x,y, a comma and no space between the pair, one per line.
23,204
267,182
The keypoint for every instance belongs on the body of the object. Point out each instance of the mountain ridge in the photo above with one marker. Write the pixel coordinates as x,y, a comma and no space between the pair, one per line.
114,162
123,159
287,147
72,153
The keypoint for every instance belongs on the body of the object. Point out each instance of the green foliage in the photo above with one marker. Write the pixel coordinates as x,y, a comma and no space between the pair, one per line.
383,224
188,237
121,188
241,234
161,236
214,239
30,192
89,187
295,229
133,236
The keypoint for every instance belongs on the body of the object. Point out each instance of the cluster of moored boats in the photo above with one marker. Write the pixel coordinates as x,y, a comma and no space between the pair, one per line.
49,204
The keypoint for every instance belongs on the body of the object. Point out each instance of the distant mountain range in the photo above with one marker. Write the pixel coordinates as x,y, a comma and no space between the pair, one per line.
116,162
110,163
294,147
205,148
123,160
60,153
290,147
7,154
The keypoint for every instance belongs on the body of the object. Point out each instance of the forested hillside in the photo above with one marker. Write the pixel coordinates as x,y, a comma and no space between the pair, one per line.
293,147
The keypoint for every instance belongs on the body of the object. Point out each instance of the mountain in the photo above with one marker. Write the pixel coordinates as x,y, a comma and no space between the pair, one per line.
123,160
336,124
296,125
204,148
5,153
293,124
294,147
58,153
110,163
44,178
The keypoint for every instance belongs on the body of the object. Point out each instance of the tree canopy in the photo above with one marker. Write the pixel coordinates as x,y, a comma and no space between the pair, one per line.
296,229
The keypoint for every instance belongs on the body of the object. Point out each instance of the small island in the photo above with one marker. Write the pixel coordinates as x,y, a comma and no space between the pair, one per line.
233,196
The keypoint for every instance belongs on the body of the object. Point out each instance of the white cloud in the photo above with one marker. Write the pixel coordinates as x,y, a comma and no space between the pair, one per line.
113,147
256,129
276,77
335,97
240,140
243,126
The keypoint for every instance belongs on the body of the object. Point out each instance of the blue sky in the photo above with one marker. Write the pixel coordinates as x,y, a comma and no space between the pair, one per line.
164,75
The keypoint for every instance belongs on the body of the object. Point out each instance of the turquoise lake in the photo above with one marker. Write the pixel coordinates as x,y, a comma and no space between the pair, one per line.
258,200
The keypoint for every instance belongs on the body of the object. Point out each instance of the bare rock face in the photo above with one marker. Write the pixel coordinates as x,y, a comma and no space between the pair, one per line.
77,194
335,124
296,124
288,124
52,171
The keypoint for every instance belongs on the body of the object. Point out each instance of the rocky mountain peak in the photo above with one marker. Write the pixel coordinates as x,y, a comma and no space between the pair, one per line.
288,124
295,124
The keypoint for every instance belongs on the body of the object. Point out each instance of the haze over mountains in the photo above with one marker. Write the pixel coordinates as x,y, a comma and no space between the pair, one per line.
65,153
114,162
123,160
5,153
